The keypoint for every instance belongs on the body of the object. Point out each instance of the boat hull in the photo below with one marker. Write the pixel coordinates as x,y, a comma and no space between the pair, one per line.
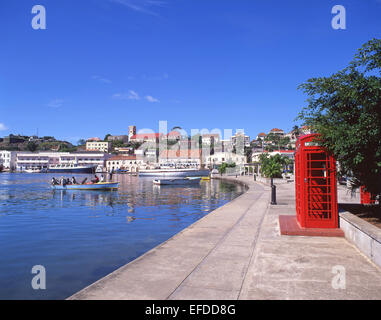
94,186
72,170
174,173
176,182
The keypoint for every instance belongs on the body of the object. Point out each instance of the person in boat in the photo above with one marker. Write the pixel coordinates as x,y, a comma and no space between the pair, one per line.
73,180
54,182
102,179
95,180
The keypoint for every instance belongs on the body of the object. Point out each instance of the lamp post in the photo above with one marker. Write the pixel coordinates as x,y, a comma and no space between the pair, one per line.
273,192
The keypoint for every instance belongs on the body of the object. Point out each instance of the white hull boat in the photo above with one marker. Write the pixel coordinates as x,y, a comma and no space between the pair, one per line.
169,173
179,181
89,186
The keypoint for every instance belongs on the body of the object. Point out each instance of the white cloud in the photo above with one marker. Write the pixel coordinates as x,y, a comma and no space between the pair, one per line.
131,95
151,99
3,127
101,79
56,103
142,6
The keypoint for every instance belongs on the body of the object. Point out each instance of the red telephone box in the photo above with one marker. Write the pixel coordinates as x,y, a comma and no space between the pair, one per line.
366,197
315,185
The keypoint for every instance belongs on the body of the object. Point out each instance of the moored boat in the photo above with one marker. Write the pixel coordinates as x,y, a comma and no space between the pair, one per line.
88,186
179,181
174,173
34,170
72,168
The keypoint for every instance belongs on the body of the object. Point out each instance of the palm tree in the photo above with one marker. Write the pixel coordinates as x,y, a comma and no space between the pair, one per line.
296,131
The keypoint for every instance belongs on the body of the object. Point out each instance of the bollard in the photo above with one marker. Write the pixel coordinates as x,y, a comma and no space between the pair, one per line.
255,177
273,194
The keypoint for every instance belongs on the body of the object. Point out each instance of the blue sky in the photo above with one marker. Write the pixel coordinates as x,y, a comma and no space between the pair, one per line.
102,65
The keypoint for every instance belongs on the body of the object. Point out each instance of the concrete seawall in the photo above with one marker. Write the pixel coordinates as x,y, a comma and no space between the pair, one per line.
160,272
237,252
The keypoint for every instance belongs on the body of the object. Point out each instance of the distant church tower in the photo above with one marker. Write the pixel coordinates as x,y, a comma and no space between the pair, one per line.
131,131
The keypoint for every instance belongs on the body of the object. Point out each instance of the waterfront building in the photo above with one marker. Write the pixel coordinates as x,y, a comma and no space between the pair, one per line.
210,138
132,163
225,157
102,146
226,145
44,159
240,139
8,159
180,158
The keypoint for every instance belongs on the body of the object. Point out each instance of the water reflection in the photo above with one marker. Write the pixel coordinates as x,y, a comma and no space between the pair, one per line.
80,235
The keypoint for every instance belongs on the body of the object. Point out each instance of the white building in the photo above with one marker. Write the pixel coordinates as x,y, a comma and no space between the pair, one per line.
44,159
180,158
102,146
240,139
122,162
8,159
287,153
210,138
225,157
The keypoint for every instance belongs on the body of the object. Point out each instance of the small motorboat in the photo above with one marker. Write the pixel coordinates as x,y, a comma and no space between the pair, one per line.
87,186
180,181
34,170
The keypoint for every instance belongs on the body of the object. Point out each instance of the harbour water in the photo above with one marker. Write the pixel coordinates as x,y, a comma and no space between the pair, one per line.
81,236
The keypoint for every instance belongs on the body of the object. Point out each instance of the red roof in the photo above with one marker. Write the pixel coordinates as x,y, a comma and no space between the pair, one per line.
94,139
276,130
261,134
174,133
146,136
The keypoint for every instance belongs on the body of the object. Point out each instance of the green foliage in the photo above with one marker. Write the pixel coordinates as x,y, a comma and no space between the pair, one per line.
224,165
248,153
272,166
106,136
32,146
345,109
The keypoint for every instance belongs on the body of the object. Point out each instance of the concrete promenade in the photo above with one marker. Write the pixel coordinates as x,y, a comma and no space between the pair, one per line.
236,252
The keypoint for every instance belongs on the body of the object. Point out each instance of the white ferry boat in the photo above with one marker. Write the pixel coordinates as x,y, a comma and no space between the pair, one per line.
174,173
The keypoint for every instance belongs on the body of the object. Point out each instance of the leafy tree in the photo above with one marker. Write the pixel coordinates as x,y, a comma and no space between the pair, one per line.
272,166
106,137
345,109
248,153
224,165
32,146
